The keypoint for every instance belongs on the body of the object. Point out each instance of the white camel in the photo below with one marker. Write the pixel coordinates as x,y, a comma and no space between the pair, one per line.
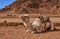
40,24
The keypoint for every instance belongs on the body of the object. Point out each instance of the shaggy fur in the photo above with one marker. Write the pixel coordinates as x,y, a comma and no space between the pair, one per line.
40,24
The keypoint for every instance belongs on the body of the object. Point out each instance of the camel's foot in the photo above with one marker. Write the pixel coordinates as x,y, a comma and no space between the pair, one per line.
27,30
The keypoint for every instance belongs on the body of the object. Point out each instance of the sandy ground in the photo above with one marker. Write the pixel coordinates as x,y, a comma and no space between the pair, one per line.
19,32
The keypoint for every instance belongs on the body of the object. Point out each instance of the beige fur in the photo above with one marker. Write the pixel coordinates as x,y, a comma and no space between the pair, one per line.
39,24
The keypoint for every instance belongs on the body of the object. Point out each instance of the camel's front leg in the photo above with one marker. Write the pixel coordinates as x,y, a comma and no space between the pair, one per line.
52,27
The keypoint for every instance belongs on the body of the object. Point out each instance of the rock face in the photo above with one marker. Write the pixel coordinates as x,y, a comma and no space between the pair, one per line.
34,6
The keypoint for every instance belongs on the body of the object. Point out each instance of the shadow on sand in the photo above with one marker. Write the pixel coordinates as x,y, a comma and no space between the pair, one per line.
56,30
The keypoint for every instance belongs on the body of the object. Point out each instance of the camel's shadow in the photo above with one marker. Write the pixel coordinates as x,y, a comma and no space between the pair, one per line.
56,30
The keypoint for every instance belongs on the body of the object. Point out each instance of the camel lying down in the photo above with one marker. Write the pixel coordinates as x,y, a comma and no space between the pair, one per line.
40,24
43,27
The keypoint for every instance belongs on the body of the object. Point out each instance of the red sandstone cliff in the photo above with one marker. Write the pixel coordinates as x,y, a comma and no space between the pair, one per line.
33,6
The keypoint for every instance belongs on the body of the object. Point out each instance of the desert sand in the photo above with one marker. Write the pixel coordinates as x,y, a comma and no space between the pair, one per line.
19,32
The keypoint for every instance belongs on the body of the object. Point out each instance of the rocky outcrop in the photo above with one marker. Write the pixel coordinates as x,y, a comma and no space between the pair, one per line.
34,6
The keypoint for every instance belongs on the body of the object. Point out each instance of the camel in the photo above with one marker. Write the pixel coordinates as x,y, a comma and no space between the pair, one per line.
40,24
43,25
